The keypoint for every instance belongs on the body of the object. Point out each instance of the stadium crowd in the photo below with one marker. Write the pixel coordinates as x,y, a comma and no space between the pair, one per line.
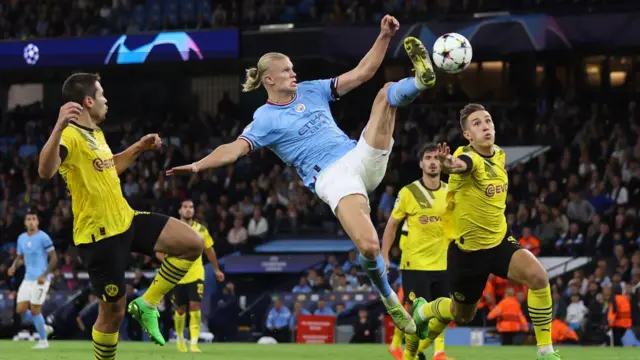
25,19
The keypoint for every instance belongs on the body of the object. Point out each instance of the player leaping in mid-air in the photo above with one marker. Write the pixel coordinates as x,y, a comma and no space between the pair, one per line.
296,124
482,241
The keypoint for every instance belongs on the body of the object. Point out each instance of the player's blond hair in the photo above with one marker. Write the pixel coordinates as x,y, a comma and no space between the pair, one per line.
255,74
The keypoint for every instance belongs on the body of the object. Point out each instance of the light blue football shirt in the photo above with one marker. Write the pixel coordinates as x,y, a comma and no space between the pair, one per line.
35,249
301,132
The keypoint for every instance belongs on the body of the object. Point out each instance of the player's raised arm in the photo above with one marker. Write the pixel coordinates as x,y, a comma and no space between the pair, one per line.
50,156
223,155
370,63
124,159
453,164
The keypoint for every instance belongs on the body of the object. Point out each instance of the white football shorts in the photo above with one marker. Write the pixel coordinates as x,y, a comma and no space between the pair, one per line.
359,171
32,292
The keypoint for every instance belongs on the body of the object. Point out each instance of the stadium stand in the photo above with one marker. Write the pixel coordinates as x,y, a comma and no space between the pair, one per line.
574,186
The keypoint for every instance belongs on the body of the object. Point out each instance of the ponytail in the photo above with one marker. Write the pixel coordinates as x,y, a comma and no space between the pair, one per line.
255,74
253,80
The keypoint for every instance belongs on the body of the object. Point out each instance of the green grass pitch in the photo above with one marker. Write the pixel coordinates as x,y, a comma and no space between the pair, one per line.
141,351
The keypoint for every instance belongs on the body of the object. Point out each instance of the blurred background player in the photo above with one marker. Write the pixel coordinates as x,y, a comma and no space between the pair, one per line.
423,205
105,228
190,289
483,243
36,252
296,123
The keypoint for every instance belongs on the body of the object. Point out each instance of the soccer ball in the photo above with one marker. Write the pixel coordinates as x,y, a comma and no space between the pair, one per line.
452,53
31,54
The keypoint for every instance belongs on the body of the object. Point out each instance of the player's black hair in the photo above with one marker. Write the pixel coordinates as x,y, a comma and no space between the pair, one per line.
468,110
187,199
31,211
426,147
78,86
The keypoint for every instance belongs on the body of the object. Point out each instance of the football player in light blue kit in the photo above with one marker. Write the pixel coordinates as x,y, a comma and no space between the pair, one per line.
36,252
297,125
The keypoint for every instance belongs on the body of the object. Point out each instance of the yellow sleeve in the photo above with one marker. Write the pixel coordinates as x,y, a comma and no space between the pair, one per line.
67,139
476,161
208,239
400,207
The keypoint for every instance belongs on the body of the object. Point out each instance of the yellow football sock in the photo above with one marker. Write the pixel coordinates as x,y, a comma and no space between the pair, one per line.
439,343
104,345
440,308
396,341
541,312
178,321
410,345
194,325
171,272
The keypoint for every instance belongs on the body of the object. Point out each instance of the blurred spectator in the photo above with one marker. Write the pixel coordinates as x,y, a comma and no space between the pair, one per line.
302,286
571,243
386,203
579,209
258,226
365,329
323,309
224,319
352,262
619,315
576,312
278,320
238,234
530,242
510,319
298,309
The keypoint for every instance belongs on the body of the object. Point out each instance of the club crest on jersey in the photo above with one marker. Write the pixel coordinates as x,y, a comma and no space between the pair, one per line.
111,290
300,107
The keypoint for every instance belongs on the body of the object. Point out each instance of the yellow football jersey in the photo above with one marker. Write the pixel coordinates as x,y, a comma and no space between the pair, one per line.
478,200
196,272
425,245
99,208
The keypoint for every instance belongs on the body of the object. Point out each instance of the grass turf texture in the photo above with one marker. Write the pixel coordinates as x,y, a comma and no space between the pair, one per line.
141,351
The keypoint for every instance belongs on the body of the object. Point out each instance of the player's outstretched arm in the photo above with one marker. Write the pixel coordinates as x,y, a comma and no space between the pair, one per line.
50,160
370,63
223,155
124,159
449,163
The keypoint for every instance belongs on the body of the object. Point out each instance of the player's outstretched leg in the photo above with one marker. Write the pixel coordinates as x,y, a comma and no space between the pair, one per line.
353,213
406,90
379,130
525,269
183,246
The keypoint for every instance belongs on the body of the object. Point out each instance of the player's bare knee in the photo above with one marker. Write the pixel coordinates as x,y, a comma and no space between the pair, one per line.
181,310
538,278
369,247
22,308
192,246
36,310
382,96
194,306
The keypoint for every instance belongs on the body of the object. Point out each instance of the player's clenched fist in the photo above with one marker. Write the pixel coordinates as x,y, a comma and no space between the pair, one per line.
389,25
68,112
151,142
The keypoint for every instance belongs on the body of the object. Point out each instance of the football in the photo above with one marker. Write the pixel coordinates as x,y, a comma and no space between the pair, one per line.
31,54
452,53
